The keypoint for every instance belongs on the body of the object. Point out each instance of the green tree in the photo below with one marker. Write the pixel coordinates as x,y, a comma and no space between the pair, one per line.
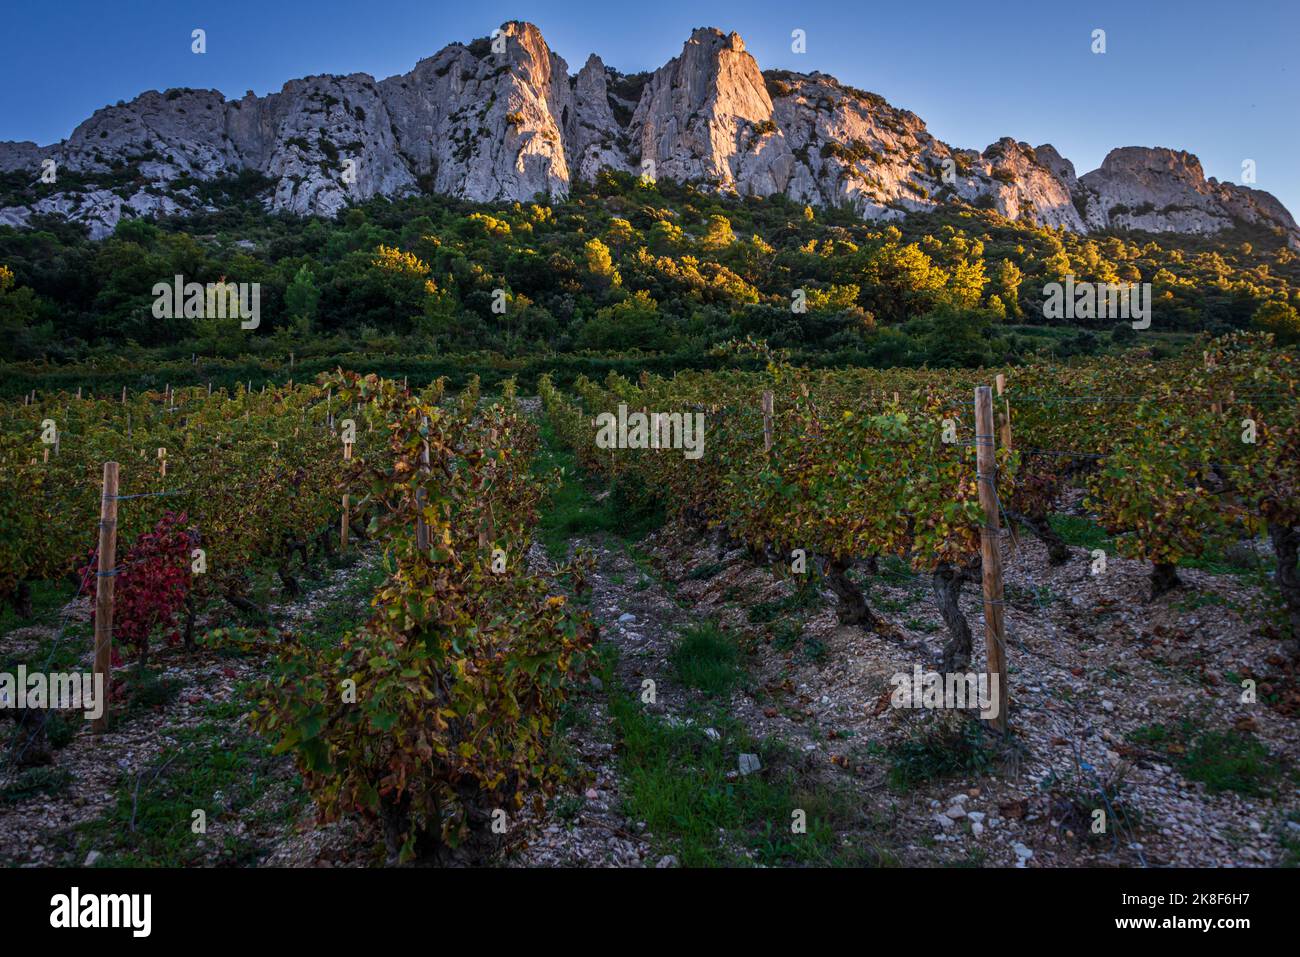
1007,286
1279,318
634,323
719,234
19,312
600,265
301,297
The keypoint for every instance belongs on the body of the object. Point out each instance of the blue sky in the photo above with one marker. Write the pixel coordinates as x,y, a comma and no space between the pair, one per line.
1218,79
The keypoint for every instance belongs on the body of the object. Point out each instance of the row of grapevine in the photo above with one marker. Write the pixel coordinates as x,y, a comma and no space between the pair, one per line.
441,708
260,477
440,711
1177,458
852,473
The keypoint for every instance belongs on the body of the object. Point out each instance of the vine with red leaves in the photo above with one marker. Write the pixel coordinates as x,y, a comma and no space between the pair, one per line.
153,584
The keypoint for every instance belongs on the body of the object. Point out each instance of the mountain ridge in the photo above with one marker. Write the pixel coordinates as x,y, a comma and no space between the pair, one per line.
502,119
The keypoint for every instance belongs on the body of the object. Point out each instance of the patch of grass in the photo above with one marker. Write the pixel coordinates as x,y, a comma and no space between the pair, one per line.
707,570
942,749
814,649
1029,598
681,783
789,635
803,597
706,658
1076,794
47,599
1082,532
1199,599
1221,760
54,653
345,611
785,637
34,782
61,728
888,604
572,511
1218,563
149,690
894,570
215,767
567,807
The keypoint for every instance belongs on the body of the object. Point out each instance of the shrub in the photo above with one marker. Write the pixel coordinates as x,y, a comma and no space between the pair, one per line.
1279,318
442,707
153,583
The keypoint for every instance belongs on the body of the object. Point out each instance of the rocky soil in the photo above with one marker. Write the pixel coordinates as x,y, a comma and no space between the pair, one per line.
42,829
1095,666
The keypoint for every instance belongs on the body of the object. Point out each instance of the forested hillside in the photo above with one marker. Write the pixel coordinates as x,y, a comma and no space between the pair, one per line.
620,266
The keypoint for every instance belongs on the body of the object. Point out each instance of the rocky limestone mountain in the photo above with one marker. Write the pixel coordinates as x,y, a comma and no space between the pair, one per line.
502,119
1164,190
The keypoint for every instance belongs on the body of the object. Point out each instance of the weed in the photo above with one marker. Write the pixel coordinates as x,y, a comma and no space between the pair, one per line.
708,659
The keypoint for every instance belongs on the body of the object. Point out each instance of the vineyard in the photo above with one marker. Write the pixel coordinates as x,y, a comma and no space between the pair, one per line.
1178,460
838,527
449,688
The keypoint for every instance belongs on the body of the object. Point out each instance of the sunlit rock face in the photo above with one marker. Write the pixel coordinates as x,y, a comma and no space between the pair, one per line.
502,119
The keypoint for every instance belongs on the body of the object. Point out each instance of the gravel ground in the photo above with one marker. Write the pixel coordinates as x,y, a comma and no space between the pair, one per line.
1092,660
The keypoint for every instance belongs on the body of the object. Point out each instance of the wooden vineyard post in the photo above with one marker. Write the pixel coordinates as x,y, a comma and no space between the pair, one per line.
124,395
104,584
343,524
162,463
1004,440
767,421
994,633
1004,417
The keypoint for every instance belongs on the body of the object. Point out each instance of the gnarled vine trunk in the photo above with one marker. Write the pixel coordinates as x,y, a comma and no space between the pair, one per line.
852,608
395,819
245,605
190,613
1164,579
947,583
1286,548
23,600
291,586
1058,553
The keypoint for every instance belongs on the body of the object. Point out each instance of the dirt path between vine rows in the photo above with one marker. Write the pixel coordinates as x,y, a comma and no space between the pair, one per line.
1095,667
